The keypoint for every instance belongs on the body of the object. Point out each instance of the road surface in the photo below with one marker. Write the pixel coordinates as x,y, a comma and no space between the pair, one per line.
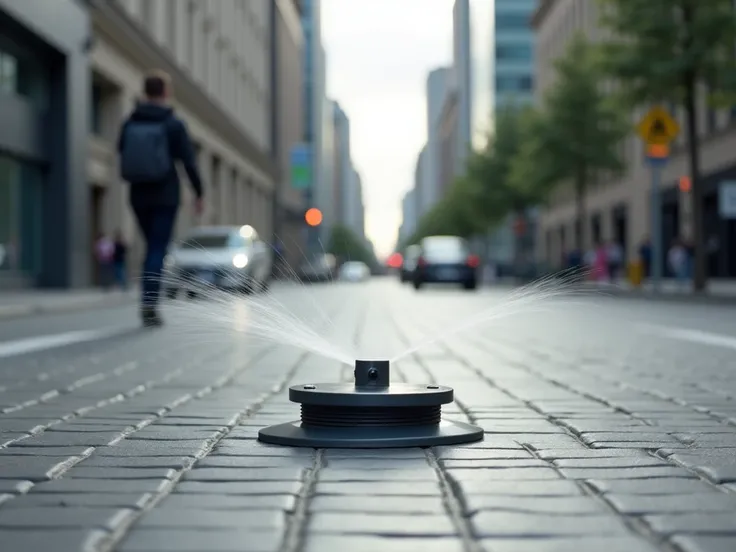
610,425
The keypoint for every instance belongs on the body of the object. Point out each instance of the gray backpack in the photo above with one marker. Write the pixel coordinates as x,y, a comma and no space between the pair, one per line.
145,156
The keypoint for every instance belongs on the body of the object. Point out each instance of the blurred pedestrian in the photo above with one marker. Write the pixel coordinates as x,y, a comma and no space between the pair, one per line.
600,263
677,258
151,141
615,254
645,256
120,261
104,255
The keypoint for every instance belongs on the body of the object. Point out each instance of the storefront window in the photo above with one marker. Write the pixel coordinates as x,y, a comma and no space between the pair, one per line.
21,197
23,74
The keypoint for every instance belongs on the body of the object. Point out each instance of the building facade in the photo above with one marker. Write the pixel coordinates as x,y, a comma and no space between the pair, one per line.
439,84
421,170
512,85
221,79
44,99
513,52
329,179
409,215
343,166
618,209
287,124
448,129
314,115
462,68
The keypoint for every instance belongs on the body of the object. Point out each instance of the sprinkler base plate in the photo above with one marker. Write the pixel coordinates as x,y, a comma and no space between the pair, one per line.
447,432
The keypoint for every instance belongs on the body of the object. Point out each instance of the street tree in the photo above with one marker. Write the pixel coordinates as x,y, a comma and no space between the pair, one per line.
662,51
581,129
346,245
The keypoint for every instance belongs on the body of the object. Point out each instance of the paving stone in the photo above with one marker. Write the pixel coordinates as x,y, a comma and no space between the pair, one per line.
422,473
174,518
377,504
362,454
604,544
42,539
150,448
11,487
527,525
666,472
58,452
198,501
134,462
687,543
483,454
377,463
567,453
659,486
633,504
32,469
100,486
196,540
504,474
559,487
240,487
494,463
92,518
49,439
378,488
251,474
618,462
132,501
363,543
248,462
85,472
385,525
548,505
699,523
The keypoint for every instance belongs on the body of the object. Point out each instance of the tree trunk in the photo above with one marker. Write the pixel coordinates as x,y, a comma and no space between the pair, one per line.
519,216
700,275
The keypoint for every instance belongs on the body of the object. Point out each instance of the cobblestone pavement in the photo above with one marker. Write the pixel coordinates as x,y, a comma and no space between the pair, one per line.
606,429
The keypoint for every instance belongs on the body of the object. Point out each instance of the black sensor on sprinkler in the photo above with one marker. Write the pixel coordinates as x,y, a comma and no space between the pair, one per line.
371,413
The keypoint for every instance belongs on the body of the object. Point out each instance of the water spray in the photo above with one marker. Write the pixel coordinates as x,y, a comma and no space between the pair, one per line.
370,413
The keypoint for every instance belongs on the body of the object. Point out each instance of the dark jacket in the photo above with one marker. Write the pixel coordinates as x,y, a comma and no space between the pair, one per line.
166,193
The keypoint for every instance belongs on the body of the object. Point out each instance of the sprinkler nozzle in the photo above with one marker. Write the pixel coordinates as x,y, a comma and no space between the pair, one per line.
375,373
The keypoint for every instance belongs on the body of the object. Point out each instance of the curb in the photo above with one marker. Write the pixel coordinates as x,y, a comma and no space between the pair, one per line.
9,312
684,298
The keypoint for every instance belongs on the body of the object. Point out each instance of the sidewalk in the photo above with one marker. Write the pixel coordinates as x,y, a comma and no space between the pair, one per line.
722,291
16,303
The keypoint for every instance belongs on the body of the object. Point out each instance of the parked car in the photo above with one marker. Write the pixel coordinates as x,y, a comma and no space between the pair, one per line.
354,271
446,259
409,263
318,269
231,258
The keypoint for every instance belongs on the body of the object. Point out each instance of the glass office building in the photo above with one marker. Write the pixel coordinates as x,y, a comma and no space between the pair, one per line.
44,80
513,52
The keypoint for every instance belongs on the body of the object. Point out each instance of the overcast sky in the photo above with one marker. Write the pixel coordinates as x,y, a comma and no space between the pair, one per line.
378,55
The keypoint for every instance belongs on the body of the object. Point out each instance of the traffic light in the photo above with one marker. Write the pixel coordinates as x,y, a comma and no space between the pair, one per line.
313,217
685,184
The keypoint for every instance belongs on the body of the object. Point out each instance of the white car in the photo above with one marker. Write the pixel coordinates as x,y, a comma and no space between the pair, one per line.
232,258
354,271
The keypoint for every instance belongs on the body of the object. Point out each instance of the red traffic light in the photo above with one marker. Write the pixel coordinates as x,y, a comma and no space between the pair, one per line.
313,217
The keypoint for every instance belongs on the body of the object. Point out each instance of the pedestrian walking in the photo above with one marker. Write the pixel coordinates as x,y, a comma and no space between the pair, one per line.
615,254
120,261
679,262
152,140
104,253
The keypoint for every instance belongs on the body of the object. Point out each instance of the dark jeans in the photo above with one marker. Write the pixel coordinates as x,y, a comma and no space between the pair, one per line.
157,226
121,275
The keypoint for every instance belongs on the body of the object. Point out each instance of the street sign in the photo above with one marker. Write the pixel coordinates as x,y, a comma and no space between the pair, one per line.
727,199
301,166
658,127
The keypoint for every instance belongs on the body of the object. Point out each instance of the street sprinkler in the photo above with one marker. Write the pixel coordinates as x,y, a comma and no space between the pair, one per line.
371,413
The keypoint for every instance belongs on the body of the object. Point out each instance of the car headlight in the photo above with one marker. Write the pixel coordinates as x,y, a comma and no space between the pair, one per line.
240,261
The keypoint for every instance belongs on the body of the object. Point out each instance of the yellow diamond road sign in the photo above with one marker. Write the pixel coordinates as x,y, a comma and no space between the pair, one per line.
658,127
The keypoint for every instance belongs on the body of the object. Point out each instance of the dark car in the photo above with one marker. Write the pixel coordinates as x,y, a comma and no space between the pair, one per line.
446,260
409,263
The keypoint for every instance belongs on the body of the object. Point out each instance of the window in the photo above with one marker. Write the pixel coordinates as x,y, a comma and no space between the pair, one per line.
512,21
8,73
96,118
521,83
514,52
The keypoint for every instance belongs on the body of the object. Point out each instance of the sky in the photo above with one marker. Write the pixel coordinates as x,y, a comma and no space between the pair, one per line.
378,55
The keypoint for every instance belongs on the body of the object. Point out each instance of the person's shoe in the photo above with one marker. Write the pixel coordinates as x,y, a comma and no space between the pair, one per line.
150,318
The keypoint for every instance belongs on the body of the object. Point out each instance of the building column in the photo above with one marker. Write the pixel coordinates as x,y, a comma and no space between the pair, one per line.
181,32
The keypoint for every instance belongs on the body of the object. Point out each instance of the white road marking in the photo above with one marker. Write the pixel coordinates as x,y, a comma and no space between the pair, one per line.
694,336
43,342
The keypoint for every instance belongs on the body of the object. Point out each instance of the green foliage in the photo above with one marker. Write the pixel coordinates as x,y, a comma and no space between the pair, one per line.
659,48
346,245
663,50
578,136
